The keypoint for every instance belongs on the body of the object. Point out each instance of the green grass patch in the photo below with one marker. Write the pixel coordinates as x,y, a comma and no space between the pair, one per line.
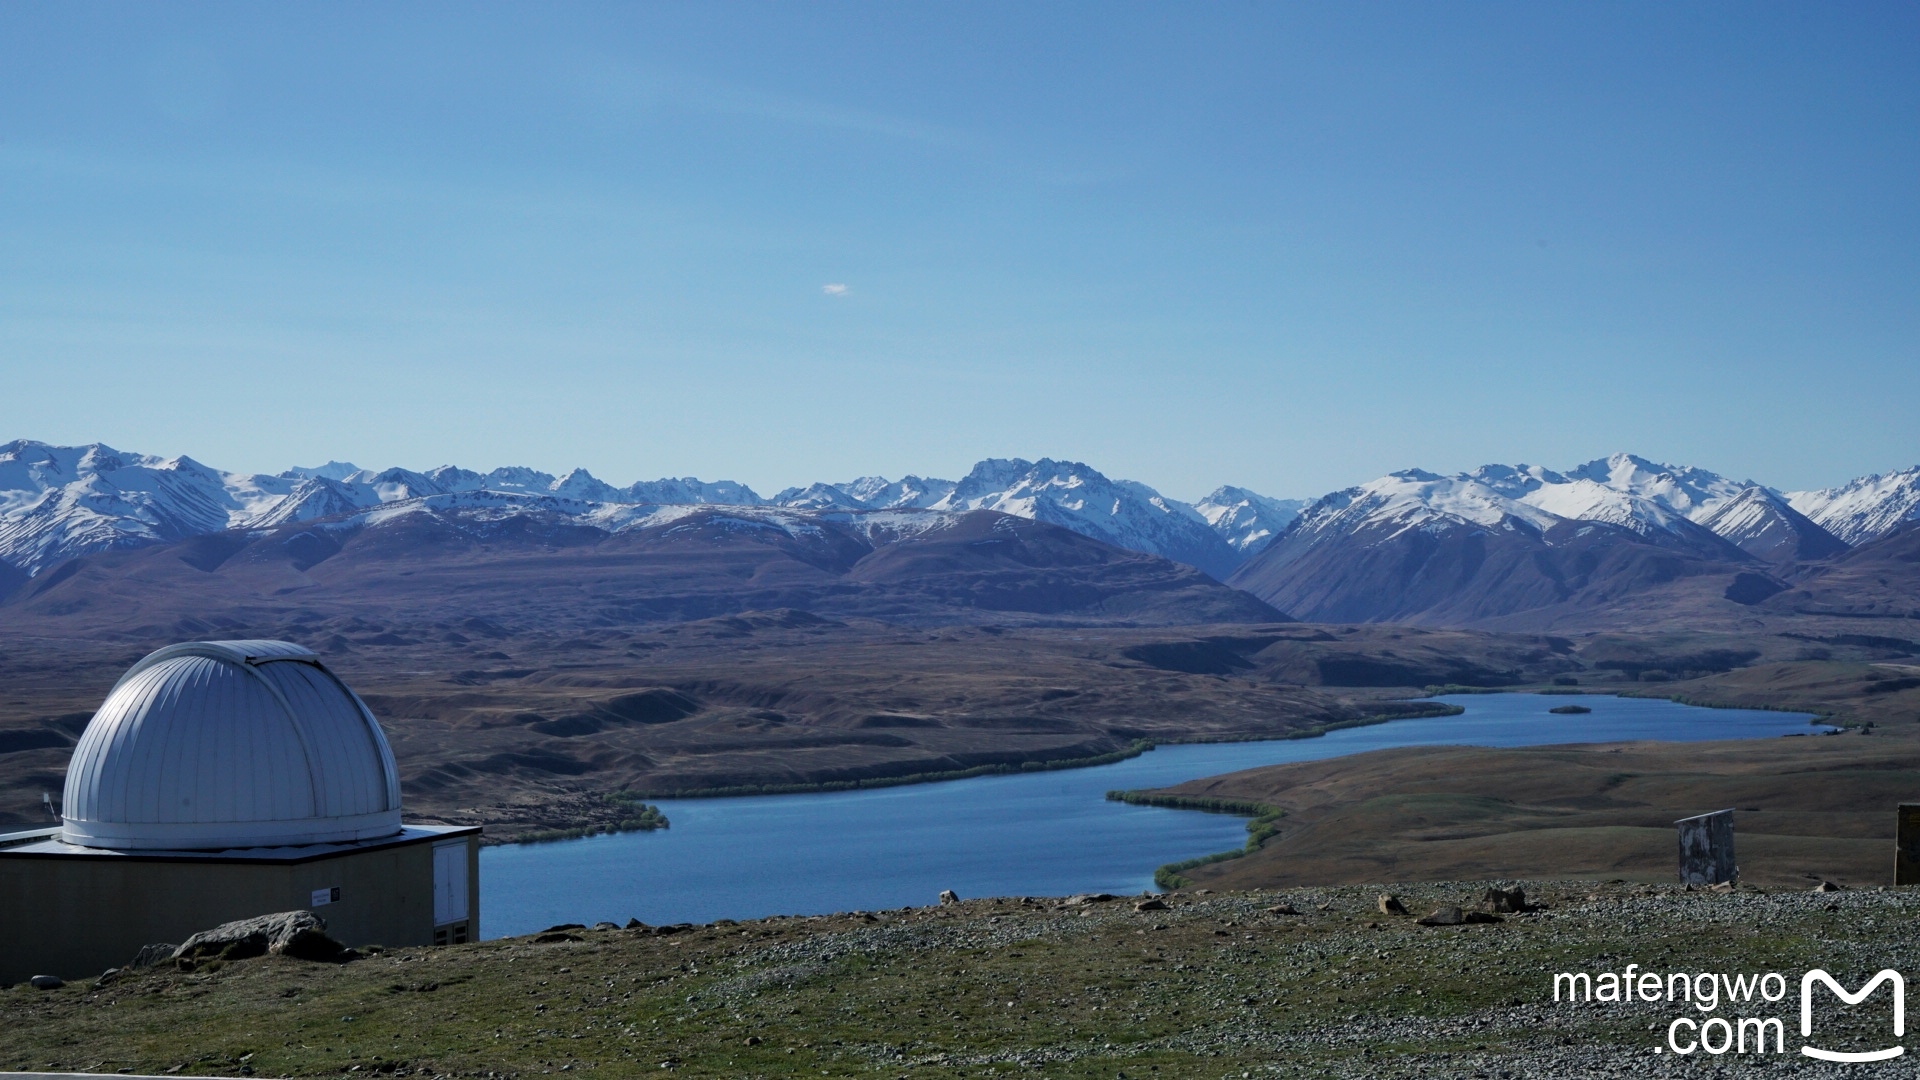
1416,711
1264,826
1138,747
644,817
1819,717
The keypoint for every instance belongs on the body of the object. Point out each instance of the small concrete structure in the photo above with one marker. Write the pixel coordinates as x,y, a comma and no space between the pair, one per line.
1906,845
1706,849
220,781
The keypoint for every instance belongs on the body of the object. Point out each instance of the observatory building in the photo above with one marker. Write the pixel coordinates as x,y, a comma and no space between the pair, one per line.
222,780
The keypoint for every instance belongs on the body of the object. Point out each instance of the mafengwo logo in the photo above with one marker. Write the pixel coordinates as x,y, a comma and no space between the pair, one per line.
1751,1032
1817,976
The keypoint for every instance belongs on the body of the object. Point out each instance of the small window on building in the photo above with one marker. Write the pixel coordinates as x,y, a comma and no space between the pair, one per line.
449,882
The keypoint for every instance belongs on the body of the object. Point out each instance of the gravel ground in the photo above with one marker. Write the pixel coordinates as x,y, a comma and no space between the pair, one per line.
1216,985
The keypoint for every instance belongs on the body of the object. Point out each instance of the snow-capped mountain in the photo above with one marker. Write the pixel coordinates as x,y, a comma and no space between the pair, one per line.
1505,539
479,507
1623,489
1653,498
1863,509
58,502
1683,489
1762,524
908,492
313,498
1072,495
1065,493
577,484
1523,499
1521,542
332,470
1248,521
817,497
1663,503
61,501
1412,499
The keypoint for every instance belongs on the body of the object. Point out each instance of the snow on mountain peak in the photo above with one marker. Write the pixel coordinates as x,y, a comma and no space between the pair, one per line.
1700,509
1076,496
57,502
1515,481
908,492
865,488
1683,489
332,470
689,490
583,485
1247,520
1590,500
1412,496
817,497
1622,490
29,469
1763,524
1863,509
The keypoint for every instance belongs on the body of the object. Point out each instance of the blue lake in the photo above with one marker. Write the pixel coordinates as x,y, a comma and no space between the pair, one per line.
1025,834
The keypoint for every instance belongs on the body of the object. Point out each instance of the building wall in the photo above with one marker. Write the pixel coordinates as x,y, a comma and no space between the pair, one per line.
76,916
473,887
467,929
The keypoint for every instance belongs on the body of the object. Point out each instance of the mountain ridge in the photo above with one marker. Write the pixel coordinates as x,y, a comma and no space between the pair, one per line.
1615,541
57,502
571,566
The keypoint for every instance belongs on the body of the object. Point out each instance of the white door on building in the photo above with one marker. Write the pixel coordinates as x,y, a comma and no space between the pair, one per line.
449,882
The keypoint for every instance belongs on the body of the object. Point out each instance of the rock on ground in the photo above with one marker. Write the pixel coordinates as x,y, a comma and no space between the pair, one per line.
299,934
157,953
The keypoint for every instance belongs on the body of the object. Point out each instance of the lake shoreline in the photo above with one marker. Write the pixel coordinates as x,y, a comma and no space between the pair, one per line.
1031,833
1423,711
1141,746
1265,816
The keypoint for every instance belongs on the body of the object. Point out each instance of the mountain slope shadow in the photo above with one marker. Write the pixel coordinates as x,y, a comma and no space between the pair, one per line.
537,571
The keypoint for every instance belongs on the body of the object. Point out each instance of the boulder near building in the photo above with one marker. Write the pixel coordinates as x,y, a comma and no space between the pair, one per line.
222,780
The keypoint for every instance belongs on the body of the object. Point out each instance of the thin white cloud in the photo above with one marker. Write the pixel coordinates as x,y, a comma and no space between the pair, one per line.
834,289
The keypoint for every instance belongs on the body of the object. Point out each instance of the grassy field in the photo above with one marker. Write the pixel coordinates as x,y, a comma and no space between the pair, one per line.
1806,809
1217,985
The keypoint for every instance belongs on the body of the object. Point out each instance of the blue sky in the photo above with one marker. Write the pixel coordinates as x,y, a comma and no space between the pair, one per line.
1286,246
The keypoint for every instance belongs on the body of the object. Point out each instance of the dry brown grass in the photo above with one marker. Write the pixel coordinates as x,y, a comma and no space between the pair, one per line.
1808,808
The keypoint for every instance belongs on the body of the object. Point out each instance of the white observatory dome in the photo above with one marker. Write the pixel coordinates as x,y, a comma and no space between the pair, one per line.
225,744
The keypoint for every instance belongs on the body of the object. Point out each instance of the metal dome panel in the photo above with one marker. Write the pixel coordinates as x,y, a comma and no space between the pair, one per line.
223,744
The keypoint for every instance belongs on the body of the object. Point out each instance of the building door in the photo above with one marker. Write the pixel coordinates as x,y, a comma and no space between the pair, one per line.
450,882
